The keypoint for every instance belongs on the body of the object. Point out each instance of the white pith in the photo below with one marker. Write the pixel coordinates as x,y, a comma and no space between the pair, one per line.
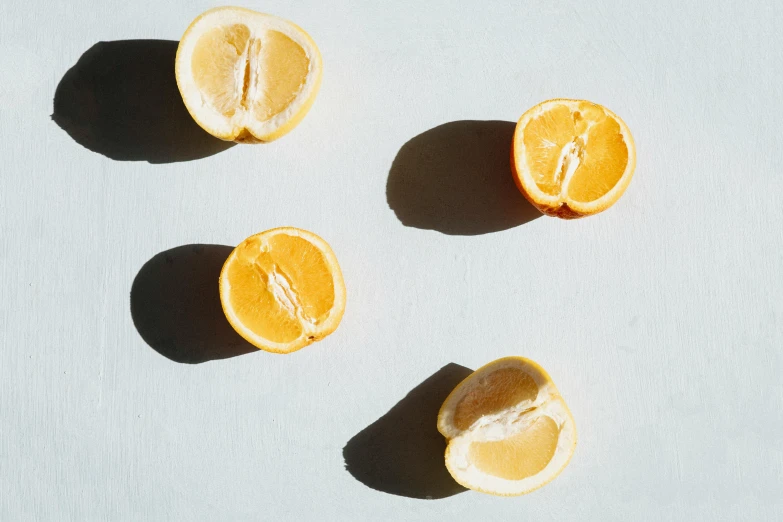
286,297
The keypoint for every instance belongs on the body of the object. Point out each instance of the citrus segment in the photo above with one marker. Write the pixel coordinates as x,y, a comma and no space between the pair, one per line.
519,456
509,431
286,65
282,289
499,390
572,158
217,60
247,76
545,137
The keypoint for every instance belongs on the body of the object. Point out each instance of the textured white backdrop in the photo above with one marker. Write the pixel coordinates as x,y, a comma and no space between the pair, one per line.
661,320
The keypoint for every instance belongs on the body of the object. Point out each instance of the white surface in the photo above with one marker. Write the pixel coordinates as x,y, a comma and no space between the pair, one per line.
660,320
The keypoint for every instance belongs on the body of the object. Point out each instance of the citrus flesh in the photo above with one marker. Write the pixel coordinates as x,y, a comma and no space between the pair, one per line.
572,158
247,76
508,428
282,289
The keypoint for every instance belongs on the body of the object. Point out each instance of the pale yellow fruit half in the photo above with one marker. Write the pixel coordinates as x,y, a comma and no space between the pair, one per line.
282,289
247,76
508,430
572,158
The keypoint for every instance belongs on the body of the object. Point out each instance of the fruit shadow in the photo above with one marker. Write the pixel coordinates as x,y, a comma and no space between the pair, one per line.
402,453
175,306
121,100
456,179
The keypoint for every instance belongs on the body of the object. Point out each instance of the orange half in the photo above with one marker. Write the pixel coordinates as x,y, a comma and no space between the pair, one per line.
282,289
572,158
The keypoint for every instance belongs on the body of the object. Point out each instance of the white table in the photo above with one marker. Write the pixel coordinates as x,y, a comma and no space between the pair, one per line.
661,320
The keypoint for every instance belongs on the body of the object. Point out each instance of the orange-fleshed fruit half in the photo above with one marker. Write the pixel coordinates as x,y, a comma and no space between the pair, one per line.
282,289
508,430
246,76
572,158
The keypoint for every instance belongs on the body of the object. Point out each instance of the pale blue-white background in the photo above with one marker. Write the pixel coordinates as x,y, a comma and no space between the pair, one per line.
660,320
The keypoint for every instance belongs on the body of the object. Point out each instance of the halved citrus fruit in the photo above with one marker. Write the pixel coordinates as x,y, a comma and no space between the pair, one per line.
246,76
282,289
509,431
572,158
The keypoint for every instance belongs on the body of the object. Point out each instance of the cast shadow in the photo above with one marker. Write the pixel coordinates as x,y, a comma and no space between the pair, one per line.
456,179
121,100
175,305
402,453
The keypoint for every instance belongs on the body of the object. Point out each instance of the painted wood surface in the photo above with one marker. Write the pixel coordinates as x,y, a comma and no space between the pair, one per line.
123,396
